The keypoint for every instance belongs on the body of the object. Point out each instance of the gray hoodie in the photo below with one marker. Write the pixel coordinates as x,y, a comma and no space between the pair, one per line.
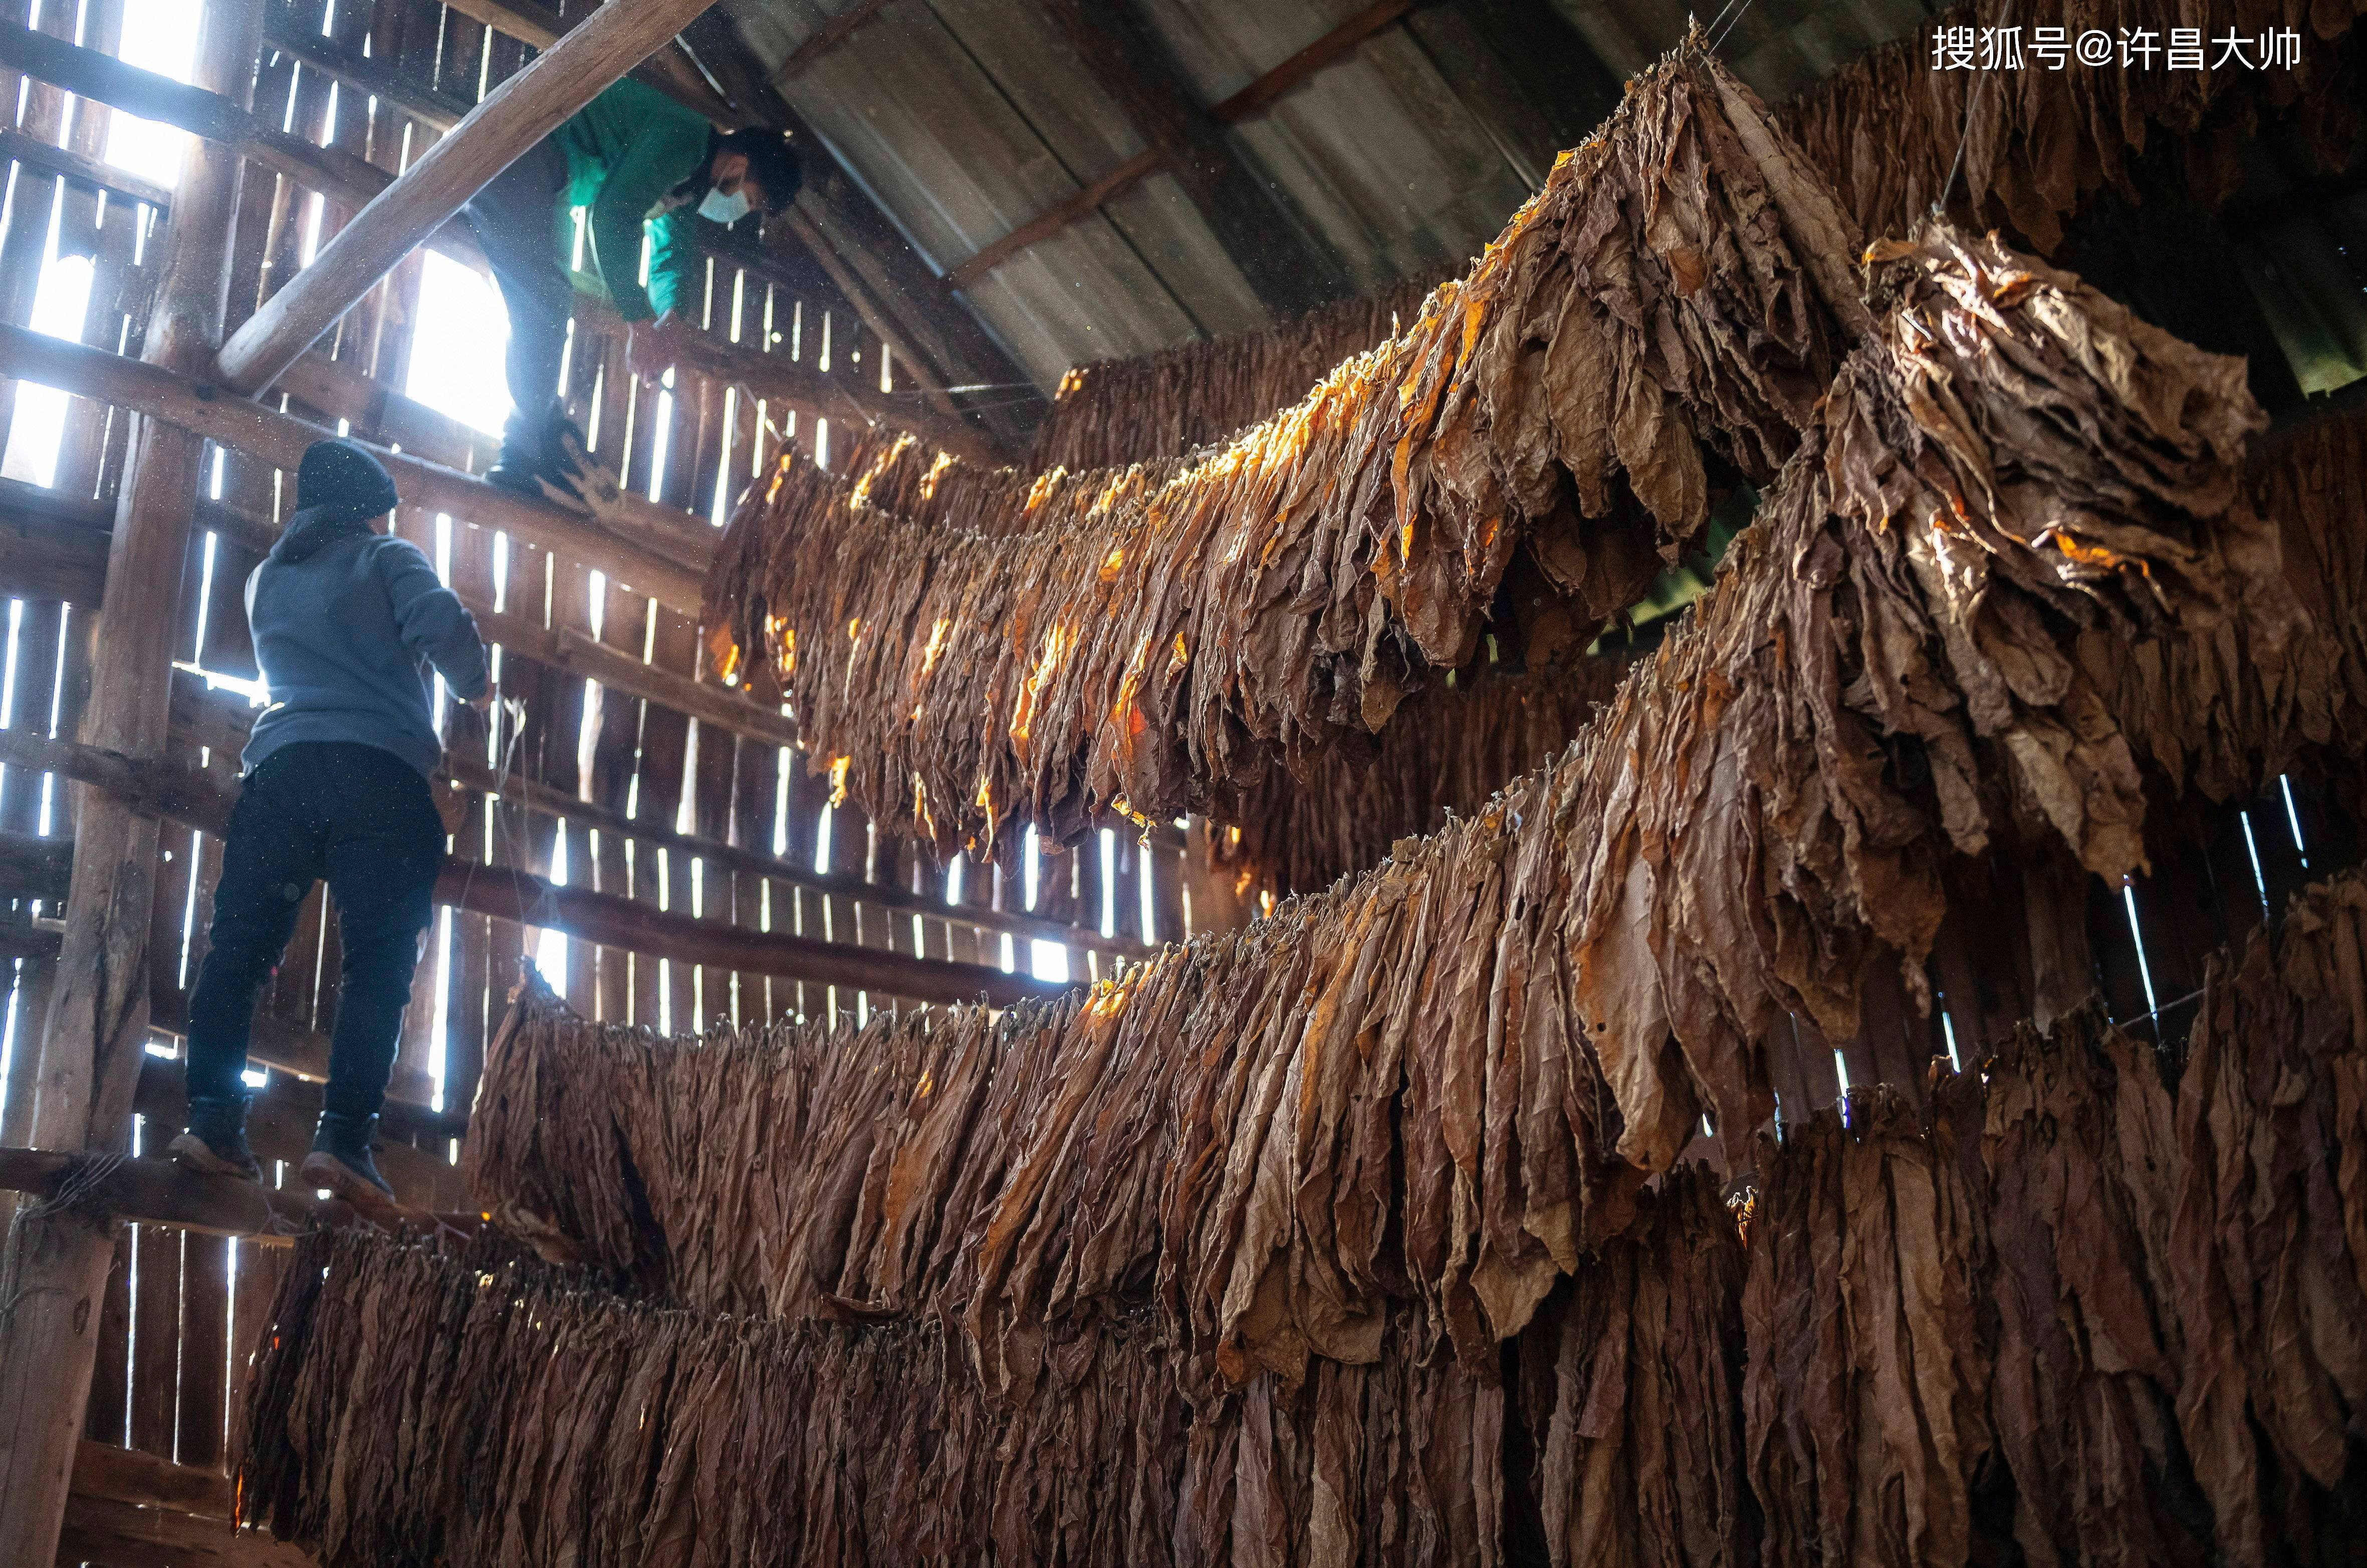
346,623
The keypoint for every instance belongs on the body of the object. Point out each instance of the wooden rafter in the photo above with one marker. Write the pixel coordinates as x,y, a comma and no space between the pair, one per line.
158,1192
1286,78
1250,101
826,38
1054,219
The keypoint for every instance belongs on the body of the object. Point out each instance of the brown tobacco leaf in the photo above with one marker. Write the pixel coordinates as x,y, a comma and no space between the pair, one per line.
1886,128
1448,1079
1118,412
2083,1307
1048,651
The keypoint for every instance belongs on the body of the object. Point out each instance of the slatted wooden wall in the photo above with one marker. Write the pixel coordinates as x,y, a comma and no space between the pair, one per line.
735,823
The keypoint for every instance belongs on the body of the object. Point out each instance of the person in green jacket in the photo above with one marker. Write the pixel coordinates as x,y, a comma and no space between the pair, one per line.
634,163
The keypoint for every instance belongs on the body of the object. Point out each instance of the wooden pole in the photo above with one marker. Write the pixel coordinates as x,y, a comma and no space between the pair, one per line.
54,1273
518,114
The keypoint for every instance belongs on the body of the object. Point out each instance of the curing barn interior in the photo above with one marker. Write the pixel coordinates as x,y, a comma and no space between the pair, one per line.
1479,781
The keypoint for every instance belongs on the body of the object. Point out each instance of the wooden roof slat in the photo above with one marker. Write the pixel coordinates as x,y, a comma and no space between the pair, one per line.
826,38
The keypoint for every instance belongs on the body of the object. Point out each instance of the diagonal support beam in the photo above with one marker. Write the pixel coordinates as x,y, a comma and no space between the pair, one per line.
1289,269
1235,229
519,113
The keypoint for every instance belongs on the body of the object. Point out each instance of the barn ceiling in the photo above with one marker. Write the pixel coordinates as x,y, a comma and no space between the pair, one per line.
966,120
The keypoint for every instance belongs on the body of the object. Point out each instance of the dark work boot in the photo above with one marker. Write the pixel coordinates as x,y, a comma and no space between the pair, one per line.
341,1162
523,442
215,1141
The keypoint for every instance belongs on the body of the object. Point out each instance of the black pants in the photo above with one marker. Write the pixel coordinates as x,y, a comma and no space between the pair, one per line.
515,220
365,820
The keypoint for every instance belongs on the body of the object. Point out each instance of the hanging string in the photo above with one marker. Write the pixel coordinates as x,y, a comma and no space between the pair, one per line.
1718,42
1956,164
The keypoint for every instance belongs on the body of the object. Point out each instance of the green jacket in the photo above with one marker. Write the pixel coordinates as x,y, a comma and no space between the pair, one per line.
626,150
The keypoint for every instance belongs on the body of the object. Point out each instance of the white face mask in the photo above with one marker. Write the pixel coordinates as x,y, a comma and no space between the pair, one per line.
723,208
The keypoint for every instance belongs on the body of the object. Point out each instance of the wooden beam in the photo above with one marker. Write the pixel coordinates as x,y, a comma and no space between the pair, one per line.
612,921
53,547
102,1190
826,38
146,1481
279,439
1251,100
777,377
1286,77
151,784
383,416
161,790
87,73
121,1535
1286,265
1054,219
79,167
516,115
537,26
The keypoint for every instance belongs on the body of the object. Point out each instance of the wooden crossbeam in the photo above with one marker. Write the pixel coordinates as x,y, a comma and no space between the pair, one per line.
1286,78
1054,219
280,440
157,1191
1250,101
16,147
100,1530
54,547
198,800
147,1481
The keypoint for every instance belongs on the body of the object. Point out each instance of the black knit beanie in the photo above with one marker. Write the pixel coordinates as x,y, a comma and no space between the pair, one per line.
339,479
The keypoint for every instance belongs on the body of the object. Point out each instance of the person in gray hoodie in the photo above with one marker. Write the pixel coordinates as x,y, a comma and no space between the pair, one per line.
346,623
